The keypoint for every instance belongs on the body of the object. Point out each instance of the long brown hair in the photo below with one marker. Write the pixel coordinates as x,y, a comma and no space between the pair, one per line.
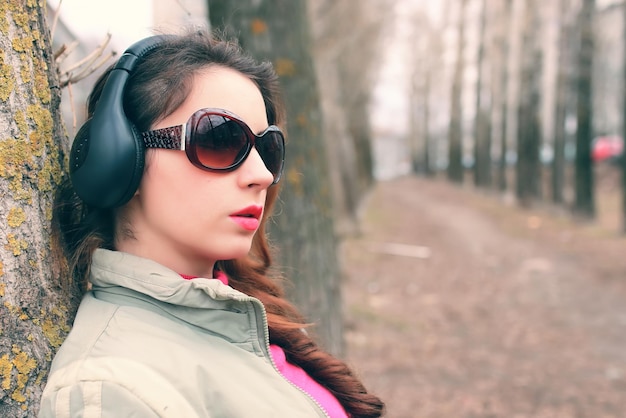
158,86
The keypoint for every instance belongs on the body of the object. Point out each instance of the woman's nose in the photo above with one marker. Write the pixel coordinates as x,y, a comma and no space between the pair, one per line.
254,172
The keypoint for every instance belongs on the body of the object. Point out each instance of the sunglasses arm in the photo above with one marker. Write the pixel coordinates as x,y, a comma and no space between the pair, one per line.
173,137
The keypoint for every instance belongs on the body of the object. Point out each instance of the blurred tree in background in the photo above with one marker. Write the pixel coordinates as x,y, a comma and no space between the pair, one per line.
623,131
304,227
563,95
584,202
455,132
528,177
502,48
483,99
346,59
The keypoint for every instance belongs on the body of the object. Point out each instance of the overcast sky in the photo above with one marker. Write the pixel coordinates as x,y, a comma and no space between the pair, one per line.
126,20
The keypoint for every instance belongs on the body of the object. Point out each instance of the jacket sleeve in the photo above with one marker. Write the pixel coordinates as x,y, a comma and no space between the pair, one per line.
94,399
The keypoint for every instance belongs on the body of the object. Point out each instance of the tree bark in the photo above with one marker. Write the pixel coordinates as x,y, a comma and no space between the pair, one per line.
528,172
36,307
342,162
427,168
623,158
504,51
455,133
482,123
584,201
422,57
359,57
278,30
344,59
562,84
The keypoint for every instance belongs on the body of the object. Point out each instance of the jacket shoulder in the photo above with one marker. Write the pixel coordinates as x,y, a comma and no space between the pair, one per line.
106,388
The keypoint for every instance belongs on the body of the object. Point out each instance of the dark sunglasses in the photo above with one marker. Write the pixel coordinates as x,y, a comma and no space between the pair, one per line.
217,140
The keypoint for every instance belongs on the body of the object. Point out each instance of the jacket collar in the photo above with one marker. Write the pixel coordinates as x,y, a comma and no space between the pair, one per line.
116,268
129,280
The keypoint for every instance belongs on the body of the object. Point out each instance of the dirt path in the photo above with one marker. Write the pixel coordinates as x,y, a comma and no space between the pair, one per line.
484,310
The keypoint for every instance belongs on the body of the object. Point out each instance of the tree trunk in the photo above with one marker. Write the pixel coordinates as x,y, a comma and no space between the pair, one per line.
584,200
420,62
455,133
528,172
623,158
482,123
359,57
36,309
504,86
359,128
562,83
278,30
343,163
428,170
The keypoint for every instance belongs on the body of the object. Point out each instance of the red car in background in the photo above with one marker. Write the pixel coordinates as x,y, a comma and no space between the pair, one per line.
608,148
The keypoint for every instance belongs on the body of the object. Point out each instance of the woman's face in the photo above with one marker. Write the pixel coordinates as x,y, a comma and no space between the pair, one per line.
184,217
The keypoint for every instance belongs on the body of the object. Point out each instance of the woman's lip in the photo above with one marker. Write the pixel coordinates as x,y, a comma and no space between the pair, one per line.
246,222
250,212
248,218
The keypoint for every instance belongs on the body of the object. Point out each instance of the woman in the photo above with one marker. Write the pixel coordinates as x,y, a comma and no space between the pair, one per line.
181,317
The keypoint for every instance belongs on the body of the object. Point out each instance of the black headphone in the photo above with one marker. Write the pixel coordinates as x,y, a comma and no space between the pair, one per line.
108,153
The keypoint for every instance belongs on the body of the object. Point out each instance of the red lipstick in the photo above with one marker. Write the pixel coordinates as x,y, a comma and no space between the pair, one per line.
248,218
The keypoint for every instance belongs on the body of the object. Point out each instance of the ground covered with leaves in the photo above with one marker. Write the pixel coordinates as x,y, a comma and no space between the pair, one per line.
459,304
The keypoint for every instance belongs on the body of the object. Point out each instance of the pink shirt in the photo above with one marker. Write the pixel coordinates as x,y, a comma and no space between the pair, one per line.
296,375
300,378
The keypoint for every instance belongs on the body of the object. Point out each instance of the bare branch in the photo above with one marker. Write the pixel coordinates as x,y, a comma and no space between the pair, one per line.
64,51
73,109
86,66
55,19
86,72
60,52
95,54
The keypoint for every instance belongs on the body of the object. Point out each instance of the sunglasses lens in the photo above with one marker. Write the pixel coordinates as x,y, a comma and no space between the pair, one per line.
271,149
219,141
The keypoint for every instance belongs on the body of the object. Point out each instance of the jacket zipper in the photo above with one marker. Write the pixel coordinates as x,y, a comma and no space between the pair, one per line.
258,304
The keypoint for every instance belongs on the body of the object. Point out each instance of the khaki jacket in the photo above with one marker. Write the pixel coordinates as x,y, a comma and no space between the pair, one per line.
146,343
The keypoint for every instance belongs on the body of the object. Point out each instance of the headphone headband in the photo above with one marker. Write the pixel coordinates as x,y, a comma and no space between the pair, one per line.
107,155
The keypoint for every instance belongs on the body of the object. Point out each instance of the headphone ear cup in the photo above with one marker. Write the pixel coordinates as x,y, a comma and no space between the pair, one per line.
106,163
108,154
80,147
